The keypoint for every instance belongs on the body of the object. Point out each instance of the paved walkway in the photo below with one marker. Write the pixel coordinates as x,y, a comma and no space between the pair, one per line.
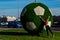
53,29
10,29
56,29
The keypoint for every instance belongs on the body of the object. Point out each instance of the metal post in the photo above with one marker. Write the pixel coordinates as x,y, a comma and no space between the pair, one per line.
18,8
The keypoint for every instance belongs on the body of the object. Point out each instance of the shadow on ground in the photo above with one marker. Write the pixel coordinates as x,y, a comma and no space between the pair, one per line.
14,33
20,34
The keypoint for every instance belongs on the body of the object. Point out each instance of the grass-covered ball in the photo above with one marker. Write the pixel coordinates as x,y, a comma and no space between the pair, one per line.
30,17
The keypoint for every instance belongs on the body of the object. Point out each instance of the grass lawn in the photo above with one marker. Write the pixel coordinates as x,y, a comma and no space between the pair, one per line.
21,34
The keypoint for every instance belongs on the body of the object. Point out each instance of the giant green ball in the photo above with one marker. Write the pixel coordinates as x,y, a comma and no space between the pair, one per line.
30,17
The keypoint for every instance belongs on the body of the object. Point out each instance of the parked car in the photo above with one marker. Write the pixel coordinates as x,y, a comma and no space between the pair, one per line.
14,24
3,23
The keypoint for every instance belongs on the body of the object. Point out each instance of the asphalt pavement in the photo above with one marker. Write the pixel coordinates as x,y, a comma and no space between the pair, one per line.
52,28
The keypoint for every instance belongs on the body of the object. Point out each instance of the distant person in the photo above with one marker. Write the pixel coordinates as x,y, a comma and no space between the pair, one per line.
47,26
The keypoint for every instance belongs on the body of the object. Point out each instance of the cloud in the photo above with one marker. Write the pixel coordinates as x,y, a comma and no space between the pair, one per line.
14,4
51,3
8,4
8,0
55,11
10,12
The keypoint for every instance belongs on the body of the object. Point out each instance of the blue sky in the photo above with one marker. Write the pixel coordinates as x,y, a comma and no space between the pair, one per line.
10,7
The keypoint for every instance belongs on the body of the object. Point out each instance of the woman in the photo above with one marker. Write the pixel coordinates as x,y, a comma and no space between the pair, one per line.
47,26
